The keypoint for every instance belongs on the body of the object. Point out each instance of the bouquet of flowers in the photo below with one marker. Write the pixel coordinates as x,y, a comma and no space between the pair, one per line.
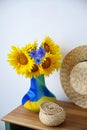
35,62
32,62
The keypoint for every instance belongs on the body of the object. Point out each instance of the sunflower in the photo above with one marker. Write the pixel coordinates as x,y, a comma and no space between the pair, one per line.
20,60
31,61
35,71
51,47
49,64
29,47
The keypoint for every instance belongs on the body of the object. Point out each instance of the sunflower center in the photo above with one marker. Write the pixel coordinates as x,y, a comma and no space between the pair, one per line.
35,68
22,59
47,48
46,63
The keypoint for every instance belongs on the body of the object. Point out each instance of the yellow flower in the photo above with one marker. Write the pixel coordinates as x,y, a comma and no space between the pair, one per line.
20,60
28,61
49,64
35,71
29,47
51,47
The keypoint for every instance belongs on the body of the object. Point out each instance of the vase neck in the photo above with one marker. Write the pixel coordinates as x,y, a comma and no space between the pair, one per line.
41,79
38,82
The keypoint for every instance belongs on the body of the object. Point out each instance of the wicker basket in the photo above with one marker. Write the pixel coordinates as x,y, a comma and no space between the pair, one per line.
51,114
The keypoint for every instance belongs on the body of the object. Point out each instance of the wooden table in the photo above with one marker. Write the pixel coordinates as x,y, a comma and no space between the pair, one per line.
21,118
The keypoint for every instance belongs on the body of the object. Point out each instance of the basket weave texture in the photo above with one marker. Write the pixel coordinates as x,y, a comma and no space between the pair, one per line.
73,75
78,78
51,114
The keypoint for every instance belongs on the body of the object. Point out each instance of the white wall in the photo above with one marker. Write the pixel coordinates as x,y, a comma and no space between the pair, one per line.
22,21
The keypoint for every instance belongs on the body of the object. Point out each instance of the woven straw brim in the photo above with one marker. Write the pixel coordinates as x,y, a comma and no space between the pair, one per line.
75,56
78,78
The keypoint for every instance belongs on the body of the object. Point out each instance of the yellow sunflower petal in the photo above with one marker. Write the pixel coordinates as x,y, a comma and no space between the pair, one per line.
20,60
29,47
50,46
49,64
35,71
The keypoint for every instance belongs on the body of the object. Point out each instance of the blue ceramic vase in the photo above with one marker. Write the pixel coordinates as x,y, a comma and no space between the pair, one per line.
38,93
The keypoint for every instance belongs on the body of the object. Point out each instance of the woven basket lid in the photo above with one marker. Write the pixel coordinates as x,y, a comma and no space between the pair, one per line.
73,75
50,108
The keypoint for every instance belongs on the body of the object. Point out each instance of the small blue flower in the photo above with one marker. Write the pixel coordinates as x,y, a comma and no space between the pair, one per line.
38,59
33,53
41,52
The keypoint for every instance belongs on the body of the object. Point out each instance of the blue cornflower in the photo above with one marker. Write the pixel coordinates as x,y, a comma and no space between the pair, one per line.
33,53
41,52
38,59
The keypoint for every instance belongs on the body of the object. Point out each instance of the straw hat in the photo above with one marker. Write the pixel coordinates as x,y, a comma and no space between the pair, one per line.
73,75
